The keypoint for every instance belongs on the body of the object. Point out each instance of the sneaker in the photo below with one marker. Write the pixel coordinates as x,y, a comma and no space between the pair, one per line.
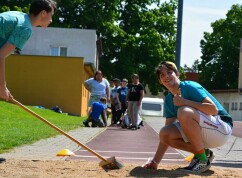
94,125
210,155
141,124
2,160
113,125
134,127
129,127
192,163
197,166
85,124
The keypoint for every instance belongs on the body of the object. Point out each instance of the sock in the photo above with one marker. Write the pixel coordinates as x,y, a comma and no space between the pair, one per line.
207,151
201,155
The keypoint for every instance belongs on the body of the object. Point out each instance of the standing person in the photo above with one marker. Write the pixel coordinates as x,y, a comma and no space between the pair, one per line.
98,87
114,102
195,120
121,98
134,98
16,29
111,85
109,111
97,109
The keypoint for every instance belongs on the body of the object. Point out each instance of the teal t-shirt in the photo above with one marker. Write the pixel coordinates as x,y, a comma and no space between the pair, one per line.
15,28
195,92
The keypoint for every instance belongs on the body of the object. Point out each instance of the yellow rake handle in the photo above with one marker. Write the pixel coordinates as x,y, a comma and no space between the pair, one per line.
56,128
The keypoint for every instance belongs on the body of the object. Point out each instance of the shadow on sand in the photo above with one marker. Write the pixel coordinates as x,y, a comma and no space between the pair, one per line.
142,172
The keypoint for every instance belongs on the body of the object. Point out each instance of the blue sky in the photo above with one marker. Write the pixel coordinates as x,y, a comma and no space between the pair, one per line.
197,18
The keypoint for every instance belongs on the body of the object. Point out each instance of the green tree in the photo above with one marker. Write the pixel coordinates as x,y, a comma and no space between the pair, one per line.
14,5
220,52
147,37
194,67
134,36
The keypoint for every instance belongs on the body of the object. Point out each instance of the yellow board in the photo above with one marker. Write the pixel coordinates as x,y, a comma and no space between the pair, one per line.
49,81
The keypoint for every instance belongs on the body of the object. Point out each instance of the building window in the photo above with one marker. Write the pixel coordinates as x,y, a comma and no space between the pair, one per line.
240,106
236,106
226,106
58,51
232,107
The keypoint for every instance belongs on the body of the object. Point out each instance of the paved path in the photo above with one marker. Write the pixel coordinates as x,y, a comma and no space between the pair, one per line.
47,149
237,129
229,155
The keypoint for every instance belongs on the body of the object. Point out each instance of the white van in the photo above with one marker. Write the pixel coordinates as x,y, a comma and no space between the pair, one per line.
152,106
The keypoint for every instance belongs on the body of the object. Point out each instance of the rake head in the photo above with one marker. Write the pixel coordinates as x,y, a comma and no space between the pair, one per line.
110,164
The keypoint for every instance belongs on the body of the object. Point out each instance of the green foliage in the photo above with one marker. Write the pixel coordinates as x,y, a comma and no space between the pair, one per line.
135,36
14,5
194,67
150,39
19,127
4,9
220,52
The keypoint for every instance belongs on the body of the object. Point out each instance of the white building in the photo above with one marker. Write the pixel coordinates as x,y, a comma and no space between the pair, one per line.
232,99
83,43
63,42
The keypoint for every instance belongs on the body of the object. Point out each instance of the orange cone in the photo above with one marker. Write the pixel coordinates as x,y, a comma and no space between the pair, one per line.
65,152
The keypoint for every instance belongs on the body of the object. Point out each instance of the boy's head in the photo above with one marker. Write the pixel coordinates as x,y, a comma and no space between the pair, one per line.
42,11
103,100
124,82
167,65
135,78
39,5
116,82
111,83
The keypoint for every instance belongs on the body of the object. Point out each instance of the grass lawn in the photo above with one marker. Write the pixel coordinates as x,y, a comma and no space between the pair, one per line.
18,127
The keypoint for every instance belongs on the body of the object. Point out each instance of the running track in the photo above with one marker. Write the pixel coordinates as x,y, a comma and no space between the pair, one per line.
128,146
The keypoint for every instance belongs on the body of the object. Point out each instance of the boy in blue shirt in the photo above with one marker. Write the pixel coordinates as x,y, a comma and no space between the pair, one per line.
16,29
195,120
121,99
97,109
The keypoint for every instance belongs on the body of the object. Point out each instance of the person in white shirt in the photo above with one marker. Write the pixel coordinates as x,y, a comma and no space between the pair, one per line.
98,87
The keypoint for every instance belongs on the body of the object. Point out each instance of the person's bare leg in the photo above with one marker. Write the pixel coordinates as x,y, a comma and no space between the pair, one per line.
130,112
136,113
189,119
171,136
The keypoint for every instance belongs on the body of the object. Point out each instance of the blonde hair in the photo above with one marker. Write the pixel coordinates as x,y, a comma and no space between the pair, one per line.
167,64
135,76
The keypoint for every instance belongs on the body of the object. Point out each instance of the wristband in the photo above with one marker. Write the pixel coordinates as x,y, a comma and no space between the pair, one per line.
153,161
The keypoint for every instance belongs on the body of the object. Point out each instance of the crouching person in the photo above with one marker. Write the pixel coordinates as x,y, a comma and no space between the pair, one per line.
195,121
97,109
